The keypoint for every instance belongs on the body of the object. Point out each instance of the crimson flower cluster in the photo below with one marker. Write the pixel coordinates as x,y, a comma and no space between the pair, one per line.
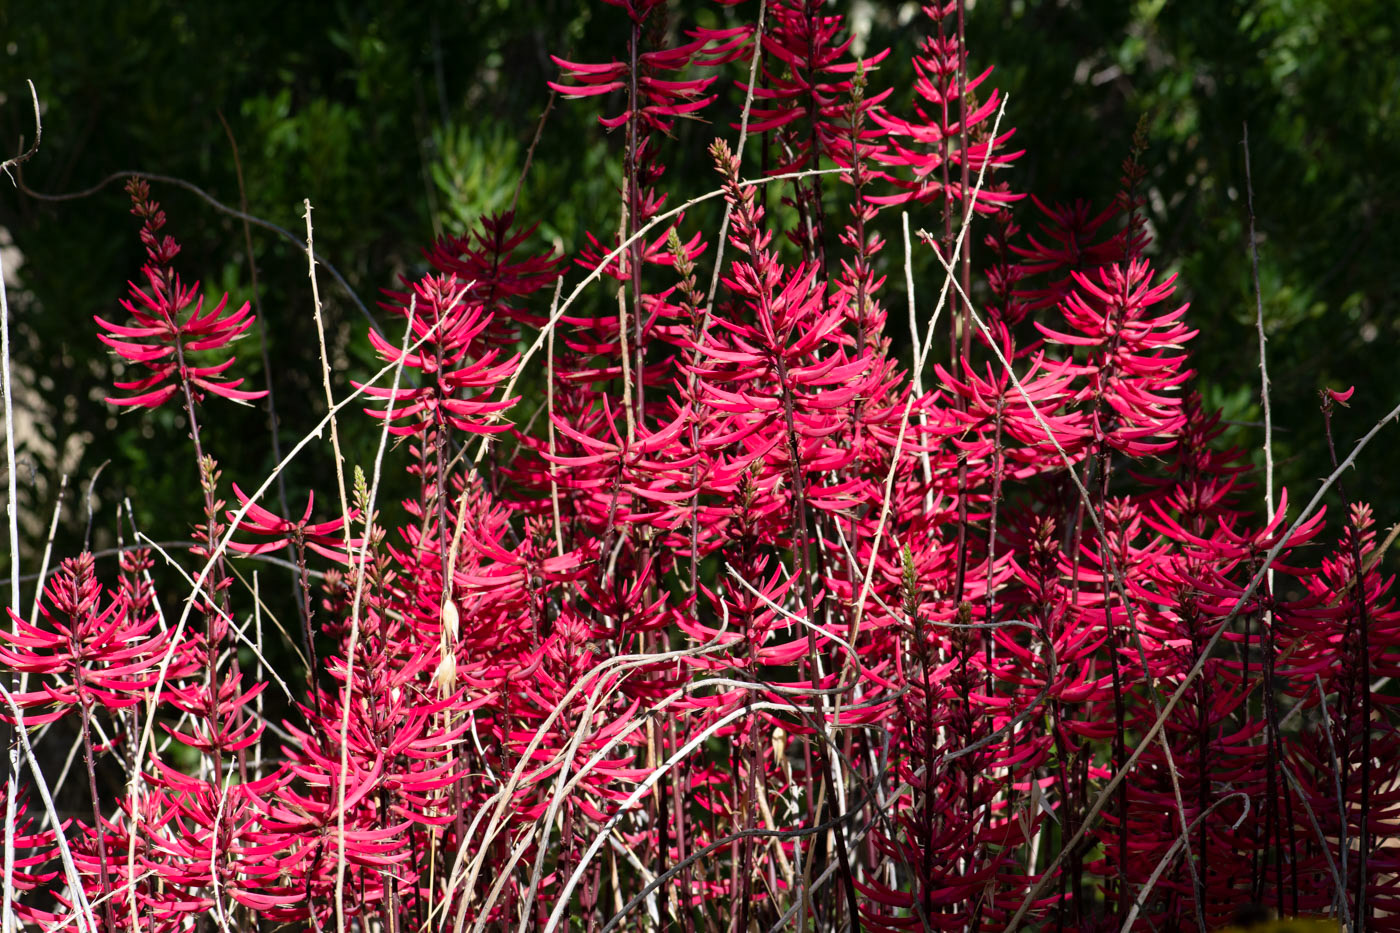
730,615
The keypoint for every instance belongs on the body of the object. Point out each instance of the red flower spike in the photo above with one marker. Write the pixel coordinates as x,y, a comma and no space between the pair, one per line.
487,258
103,654
661,100
170,322
929,144
448,323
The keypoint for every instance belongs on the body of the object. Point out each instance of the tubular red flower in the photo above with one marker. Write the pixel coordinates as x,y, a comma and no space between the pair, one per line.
325,538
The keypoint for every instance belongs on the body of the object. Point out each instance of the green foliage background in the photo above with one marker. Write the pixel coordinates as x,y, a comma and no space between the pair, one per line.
403,121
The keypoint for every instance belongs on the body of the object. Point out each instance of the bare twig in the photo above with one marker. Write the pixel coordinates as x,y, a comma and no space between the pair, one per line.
27,154
360,575
530,153
1326,849
326,379
232,623
738,154
175,546
1170,855
549,425
87,502
587,682
218,206
75,882
719,845
1380,552
48,549
916,366
1259,325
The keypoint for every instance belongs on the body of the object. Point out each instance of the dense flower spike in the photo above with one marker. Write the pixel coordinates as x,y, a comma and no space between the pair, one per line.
733,624
948,139
499,279
91,652
170,322
809,77
447,327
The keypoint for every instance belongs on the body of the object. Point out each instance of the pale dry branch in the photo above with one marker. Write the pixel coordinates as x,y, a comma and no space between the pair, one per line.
356,606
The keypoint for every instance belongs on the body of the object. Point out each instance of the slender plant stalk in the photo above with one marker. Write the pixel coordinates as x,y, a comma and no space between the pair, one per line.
1362,911
274,434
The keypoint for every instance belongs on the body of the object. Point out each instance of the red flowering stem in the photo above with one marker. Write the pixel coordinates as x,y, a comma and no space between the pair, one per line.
800,526
189,403
691,302
859,179
926,663
1364,652
946,252
634,206
217,573
816,220
990,615
1120,728
962,161
307,632
213,585
84,707
860,265
966,257
1108,371
960,577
